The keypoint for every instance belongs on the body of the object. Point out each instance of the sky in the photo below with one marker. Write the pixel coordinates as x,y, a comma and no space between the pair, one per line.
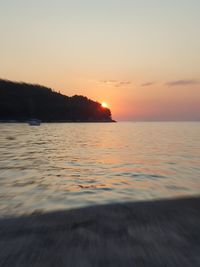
141,57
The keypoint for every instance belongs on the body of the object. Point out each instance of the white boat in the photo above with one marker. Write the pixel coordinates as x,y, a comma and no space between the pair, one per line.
34,122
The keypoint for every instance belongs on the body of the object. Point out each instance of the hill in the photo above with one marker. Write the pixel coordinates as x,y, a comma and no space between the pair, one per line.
23,101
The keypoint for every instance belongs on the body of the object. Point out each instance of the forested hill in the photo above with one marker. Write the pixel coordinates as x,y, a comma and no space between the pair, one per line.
22,101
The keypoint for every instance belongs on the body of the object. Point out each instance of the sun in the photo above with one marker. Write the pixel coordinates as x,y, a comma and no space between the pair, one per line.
104,105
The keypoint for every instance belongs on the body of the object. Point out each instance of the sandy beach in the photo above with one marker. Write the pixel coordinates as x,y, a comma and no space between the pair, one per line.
155,233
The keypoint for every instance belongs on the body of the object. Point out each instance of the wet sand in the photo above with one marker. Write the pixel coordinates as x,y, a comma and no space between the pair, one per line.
156,233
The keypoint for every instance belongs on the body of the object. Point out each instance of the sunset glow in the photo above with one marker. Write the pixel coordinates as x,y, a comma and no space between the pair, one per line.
104,105
99,133
141,56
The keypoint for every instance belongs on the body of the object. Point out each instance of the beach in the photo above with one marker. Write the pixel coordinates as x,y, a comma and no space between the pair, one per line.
153,233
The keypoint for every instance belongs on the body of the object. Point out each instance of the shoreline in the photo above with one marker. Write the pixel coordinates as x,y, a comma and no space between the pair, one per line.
153,233
26,122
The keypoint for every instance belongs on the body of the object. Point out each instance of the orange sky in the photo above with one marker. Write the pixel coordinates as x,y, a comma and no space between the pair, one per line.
141,57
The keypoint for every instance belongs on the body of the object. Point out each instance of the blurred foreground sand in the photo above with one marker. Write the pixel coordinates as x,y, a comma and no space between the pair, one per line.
156,233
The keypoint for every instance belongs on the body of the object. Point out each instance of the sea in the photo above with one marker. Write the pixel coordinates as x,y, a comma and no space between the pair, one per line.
58,166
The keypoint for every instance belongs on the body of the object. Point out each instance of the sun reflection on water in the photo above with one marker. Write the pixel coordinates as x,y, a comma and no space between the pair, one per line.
59,166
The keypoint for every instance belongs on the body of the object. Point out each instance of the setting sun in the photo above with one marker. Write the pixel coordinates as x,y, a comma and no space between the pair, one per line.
104,105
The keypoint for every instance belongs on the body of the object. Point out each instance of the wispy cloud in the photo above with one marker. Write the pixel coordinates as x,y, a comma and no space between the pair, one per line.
183,82
147,84
116,83
108,81
122,83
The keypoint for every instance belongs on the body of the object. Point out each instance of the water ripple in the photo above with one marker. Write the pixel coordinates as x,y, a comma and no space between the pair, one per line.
59,166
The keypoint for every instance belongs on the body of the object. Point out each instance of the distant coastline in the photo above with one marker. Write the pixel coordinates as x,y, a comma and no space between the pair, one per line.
21,102
57,121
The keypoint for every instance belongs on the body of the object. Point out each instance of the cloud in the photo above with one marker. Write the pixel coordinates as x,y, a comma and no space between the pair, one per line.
183,82
108,81
122,83
116,83
147,84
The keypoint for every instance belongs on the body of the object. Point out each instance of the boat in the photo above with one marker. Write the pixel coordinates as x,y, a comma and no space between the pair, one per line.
34,122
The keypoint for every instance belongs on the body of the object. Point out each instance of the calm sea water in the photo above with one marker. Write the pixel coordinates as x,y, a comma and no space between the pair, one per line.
62,166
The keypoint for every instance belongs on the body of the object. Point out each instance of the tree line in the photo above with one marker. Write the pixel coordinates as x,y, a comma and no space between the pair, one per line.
22,101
